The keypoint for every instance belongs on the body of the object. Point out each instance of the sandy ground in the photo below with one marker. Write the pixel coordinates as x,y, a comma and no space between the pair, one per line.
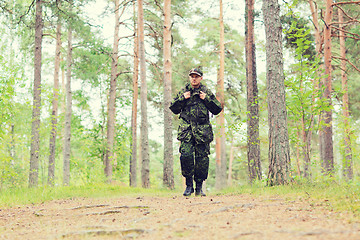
176,217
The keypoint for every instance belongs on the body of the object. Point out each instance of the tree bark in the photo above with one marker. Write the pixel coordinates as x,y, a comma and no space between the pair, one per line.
305,134
133,157
168,175
145,168
220,119
231,159
253,141
298,153
328,160
279,152
55,106
35,126
347,161
314,14
67,129
110,133
318,84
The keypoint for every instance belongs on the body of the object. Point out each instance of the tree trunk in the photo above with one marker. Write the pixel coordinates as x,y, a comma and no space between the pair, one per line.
279,152
305,148
253,141
168,175
298,153
317,84
35,126
305,135
133,157
231,159
55,104
145,168
347,161
67,129
109,155
328,160
220,134
314,14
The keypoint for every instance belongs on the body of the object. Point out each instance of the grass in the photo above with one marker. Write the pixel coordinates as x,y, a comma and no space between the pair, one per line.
329,194
22,196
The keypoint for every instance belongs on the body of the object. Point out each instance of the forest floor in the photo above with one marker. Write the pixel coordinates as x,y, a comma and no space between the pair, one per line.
177,217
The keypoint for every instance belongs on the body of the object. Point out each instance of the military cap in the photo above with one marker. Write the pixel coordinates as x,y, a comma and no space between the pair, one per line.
196,71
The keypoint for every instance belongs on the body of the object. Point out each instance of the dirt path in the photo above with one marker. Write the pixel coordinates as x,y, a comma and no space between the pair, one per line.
211,217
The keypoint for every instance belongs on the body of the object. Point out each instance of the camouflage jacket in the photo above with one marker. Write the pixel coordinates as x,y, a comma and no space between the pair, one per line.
194,114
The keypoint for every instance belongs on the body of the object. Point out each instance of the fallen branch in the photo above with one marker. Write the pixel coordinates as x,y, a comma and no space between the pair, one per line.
129,233
105,213
90,206
131,207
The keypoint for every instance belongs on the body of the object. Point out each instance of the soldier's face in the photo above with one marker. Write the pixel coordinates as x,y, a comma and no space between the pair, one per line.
195,80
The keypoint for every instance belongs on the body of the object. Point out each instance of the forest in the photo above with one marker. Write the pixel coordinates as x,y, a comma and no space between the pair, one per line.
86,87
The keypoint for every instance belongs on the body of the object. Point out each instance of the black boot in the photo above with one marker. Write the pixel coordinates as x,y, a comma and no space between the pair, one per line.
189,187
198,190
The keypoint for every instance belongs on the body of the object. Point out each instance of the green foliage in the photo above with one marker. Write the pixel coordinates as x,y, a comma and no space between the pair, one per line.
303,98
297,36
13,119
20,196
326,193
8,79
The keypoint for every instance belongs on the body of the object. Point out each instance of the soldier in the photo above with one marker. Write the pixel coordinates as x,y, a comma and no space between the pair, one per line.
194,102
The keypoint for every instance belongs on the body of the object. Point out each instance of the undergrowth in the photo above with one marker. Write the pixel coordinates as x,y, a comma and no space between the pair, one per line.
334,196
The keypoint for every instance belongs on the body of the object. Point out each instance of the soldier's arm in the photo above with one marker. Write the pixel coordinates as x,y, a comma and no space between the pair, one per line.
212,104
178,103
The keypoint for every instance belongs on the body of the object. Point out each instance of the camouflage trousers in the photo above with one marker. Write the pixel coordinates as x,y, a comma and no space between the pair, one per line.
190,151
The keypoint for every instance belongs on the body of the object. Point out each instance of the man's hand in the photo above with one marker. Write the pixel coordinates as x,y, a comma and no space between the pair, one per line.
202,95
186,95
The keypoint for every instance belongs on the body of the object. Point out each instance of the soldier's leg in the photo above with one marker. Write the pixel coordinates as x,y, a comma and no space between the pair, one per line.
187,159
202,152
187,165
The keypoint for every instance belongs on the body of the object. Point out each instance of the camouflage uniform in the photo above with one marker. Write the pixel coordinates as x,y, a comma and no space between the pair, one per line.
195,131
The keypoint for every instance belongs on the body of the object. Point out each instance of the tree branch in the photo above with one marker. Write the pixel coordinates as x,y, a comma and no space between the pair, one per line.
344,3
338,35
159,6
342,30
129,36
28,10
345,13
345,23
357,69
123,72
